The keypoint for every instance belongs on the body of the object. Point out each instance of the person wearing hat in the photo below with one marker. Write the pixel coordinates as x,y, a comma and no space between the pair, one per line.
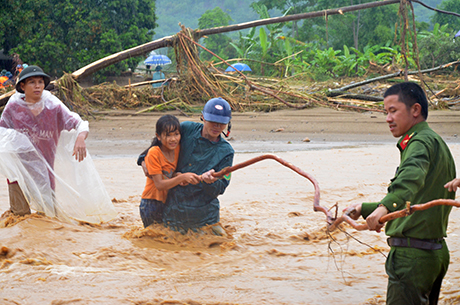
19,69
203,152
39,115
3,78
9,81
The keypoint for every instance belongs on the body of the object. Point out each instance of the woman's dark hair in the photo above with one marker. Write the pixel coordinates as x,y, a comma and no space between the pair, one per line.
167,123
409,93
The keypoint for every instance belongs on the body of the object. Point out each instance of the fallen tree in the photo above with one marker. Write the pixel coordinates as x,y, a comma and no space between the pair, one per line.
197,34
173,40
201,82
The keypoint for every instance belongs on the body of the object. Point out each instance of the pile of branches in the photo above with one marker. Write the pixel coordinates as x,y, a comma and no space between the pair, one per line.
193,87
199,84
103,96
196,82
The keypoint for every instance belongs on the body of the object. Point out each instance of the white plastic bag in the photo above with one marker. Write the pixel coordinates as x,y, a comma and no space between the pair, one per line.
79,194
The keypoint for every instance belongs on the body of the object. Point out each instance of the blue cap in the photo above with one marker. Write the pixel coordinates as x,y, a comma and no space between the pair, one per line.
217,110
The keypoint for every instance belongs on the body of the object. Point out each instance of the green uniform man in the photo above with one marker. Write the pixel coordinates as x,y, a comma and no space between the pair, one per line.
419,257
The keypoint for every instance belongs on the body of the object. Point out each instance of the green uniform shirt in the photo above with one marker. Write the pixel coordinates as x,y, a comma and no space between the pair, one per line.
426,165
194,206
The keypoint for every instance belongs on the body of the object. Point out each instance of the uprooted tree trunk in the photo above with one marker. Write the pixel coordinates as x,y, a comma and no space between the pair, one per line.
205,77
170,41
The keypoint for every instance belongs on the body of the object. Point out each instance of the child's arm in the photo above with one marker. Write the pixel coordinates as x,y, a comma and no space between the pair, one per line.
166,184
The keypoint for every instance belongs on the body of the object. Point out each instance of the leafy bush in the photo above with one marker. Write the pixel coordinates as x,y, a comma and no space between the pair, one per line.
63,36
438,47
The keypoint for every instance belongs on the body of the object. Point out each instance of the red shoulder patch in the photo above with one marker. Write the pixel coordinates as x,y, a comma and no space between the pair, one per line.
405,141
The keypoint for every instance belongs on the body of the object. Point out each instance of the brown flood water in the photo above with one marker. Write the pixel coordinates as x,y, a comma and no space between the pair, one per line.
277,253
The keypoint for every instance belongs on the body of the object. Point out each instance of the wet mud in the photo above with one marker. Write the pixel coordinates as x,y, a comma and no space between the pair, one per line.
277,250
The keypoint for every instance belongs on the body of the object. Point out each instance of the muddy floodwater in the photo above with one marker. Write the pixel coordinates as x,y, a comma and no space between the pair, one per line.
277,252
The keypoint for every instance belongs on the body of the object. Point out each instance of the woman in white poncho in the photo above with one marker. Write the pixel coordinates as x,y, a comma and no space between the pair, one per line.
32,126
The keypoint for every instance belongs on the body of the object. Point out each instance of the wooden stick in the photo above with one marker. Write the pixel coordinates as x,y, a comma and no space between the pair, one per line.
150,82
435,9
156,106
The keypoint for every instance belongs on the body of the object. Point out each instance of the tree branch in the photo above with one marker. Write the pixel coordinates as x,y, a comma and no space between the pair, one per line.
435,9
169,40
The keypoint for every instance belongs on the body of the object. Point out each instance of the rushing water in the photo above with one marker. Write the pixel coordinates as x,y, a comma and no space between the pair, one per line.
277,252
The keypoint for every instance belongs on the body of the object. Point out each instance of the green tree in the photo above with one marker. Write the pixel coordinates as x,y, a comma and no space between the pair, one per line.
357,29
245,44
453,21
423,14
438,47
218,43
291,7
187,12
65,35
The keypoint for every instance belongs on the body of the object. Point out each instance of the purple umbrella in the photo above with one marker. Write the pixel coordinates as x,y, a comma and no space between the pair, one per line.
458,34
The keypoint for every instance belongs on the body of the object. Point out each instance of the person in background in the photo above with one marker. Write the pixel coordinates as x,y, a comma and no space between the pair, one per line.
419,257
3,78
158,75
19,69
36,113
10,80
161,161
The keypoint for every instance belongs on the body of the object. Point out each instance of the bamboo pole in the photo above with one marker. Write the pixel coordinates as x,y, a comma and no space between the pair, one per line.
117,57
149,82
156,106
129,88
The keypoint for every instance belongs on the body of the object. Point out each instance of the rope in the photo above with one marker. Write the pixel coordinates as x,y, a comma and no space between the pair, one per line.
334,222
316,206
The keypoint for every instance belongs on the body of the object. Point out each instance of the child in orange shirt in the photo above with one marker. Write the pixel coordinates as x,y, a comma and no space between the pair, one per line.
161,161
